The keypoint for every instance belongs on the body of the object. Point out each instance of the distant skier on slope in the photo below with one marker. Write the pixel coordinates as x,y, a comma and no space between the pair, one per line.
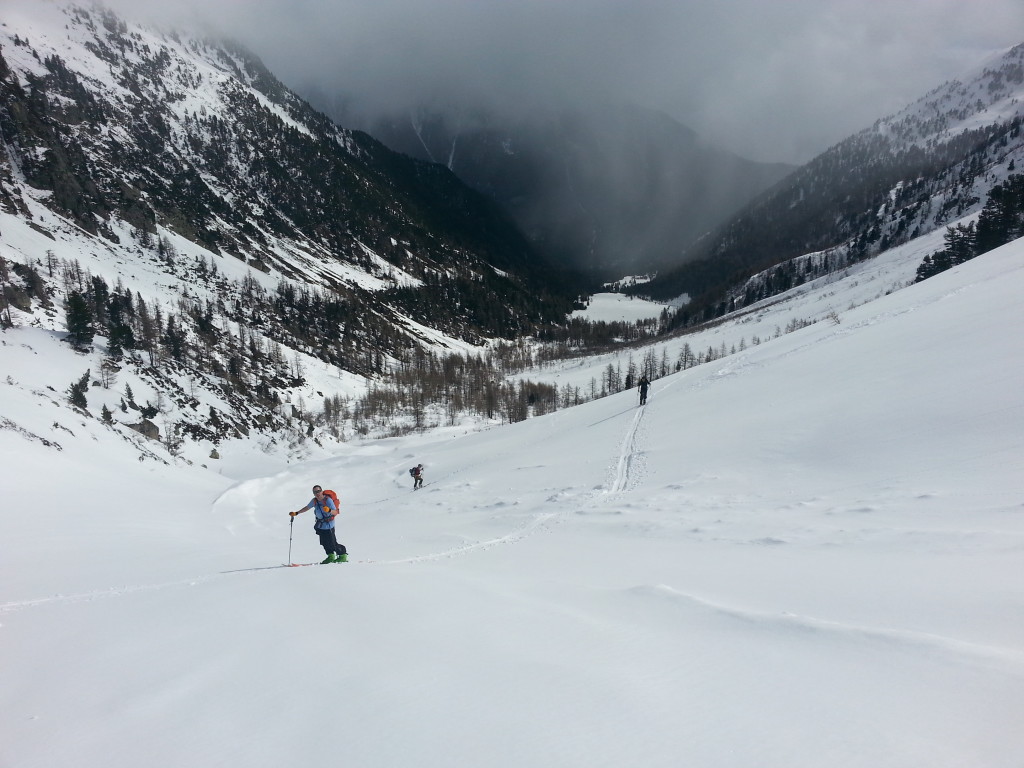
643,386
325,507
417,476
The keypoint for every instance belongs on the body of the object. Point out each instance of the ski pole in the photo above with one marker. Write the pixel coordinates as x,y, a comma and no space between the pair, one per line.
291,527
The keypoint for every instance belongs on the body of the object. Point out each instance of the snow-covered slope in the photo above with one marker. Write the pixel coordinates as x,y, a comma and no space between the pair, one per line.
826,301
804,554
990,94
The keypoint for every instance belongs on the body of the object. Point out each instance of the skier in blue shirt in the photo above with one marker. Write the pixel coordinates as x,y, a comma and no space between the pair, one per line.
326,510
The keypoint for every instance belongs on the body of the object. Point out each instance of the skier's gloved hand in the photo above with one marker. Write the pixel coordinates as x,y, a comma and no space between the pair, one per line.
292,514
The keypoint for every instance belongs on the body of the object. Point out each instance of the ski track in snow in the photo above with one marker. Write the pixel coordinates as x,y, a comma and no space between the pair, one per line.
631,452
627,455
88,597
1011,661
622,478
624,464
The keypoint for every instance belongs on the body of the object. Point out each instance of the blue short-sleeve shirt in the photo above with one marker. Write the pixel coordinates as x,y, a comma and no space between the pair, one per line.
324,512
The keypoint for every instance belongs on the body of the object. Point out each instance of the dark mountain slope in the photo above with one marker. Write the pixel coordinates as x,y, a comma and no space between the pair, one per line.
200,138
609,191
920,169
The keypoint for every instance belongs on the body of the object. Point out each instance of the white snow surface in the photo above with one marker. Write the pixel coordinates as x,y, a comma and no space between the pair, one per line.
807,553
612,307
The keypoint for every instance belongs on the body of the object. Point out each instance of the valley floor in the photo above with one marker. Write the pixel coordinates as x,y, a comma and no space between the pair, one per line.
807,554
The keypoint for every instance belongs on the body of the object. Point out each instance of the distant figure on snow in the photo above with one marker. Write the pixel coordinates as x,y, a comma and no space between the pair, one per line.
417,476
642,386
325,508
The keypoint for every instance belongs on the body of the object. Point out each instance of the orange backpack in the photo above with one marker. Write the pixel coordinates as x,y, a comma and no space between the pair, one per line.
334,498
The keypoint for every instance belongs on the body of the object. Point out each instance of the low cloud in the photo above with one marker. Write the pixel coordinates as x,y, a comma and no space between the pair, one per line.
770,81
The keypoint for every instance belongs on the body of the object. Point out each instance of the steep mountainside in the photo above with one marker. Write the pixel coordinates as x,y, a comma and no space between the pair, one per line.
214,259
198,138
918,170
612,191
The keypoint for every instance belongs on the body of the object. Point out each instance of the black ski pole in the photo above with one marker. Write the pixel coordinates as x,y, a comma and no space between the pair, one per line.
291,527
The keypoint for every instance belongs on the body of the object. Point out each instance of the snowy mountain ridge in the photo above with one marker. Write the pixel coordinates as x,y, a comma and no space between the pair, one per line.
991,94
922,169
176,133
240,258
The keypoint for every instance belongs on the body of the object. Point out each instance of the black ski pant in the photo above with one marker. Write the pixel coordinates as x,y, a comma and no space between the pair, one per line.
329,542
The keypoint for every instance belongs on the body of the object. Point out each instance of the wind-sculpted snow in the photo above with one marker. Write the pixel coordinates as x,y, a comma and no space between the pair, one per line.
816,632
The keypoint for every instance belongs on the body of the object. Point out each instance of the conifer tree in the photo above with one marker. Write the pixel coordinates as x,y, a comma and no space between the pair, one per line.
5,308
76,392
79,321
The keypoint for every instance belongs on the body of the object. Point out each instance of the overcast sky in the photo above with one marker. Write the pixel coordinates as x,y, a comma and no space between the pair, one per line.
768,79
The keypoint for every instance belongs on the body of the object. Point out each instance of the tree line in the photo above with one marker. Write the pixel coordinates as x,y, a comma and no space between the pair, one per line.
248,343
